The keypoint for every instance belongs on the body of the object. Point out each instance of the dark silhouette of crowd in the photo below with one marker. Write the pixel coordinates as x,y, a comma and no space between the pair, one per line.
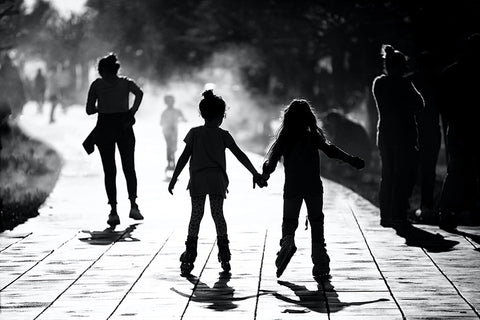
413,108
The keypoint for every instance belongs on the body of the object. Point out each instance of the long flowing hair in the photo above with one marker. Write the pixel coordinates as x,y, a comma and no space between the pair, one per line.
298,119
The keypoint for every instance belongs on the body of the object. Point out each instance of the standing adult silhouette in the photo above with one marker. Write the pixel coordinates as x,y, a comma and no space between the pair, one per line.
109,96
460,108
397,102
426,80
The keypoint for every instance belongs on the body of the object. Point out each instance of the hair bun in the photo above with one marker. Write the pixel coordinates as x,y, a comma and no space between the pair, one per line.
208,94
387,50
111,58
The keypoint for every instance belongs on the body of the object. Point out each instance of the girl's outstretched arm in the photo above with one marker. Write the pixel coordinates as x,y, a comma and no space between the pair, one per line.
242,157
182,162
332,151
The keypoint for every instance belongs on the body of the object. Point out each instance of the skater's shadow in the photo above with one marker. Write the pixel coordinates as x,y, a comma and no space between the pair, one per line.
323,300
219,297
109,236
474,237
416,237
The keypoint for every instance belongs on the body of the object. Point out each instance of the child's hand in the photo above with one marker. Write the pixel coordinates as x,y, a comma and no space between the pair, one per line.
357,163
259,180
265,176
171,185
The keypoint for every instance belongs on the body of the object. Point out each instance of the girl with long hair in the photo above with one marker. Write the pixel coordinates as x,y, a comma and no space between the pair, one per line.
297,142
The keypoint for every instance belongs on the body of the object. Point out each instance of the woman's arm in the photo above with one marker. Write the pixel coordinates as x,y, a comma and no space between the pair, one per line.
91,107
182,162
138,93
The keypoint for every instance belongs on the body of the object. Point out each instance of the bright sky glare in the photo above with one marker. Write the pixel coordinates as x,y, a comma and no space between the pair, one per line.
64,7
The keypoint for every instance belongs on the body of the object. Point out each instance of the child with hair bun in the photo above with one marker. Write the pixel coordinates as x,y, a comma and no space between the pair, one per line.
205,149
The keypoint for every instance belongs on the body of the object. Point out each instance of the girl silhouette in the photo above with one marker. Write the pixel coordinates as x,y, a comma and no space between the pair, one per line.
297,142
205,148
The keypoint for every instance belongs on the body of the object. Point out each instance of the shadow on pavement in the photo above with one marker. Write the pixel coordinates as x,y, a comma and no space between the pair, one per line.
219,297
109,236
474,237
323,300
416,237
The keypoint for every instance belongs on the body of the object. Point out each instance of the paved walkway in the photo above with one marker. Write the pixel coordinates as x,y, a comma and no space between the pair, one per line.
63,264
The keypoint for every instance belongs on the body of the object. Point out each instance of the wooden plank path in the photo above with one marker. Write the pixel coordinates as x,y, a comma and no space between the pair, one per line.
64,264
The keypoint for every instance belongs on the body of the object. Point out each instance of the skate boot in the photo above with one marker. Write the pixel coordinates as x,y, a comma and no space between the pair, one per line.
188,257
321,261
286,252
113,219
224,253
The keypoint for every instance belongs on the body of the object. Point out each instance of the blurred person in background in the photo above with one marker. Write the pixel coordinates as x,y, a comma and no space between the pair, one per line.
12,91
39,88
169,120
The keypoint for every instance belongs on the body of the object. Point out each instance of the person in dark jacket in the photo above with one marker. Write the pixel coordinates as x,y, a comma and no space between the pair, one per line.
397,102
460,107
426,80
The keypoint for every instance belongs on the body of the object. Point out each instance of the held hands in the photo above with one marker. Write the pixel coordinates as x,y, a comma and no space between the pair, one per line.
171,185
357,163
259,180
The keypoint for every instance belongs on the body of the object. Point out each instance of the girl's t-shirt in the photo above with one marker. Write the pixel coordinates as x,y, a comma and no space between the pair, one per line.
301,161
208,169
112,97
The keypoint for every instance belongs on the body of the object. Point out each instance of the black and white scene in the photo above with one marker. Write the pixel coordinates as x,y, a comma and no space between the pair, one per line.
250,159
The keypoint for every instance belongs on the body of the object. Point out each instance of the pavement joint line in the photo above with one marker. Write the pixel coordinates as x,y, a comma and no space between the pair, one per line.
21,239
375,261
38,262
452,284
260,275
198,279
81,274
140,275
470,241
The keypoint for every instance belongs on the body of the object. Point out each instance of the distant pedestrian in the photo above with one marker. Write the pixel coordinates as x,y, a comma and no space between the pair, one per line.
297,142
426,80
461,109
397,102
205,148
39,88
169,122
12,91
109,96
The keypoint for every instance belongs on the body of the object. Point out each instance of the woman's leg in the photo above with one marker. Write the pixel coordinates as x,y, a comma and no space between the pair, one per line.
385,193
107,154
198,208
126,147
